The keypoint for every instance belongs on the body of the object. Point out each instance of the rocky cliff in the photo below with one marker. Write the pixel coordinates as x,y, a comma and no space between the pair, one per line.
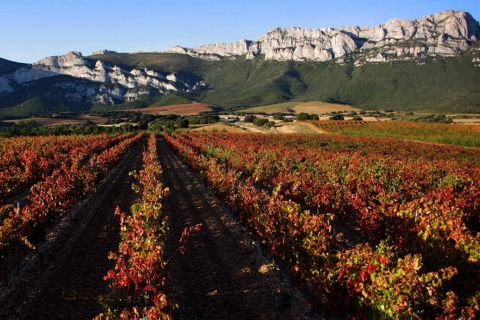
109,83
444,34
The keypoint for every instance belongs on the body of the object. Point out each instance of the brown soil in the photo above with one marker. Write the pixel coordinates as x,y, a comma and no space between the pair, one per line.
186,109
216,127
224,273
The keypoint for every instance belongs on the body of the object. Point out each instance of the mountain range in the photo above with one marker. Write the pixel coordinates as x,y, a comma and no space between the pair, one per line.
432,63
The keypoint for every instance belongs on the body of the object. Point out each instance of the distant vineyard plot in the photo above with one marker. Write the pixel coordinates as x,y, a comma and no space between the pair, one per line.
459,134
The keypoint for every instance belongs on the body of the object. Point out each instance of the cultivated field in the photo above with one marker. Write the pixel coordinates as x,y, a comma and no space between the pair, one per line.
57,121
56,252
374,228
187,109
460,134
216,127
297,127
228,225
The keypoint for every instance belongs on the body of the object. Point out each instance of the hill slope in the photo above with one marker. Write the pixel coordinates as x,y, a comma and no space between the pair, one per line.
440,85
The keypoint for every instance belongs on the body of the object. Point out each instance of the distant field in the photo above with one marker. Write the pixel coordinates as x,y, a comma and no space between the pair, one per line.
187,109
76,119
316,107
460,134
216,127
470,121
298,127
302,127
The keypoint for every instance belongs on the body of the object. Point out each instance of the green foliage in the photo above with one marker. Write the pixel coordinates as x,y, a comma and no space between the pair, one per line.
302,116
338,117
250,118
30,128
434,119
440,85
458,134
182,123
174,98
172,122
270,124
260,122
203,119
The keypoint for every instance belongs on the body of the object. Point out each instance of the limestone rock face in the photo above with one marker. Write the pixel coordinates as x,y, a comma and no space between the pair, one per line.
115,83
446,33
102,51
71,59
228,49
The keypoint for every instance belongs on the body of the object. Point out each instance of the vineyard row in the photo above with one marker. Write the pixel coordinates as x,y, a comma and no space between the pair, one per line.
372,227
23,228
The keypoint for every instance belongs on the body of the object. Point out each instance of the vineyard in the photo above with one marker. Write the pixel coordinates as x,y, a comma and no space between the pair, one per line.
458,134
370,227
365,227
140,266
57,172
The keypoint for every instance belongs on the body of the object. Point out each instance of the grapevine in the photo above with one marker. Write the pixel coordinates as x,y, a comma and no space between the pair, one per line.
406,212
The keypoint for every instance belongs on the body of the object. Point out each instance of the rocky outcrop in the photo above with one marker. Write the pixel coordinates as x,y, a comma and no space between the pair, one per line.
215,51
444,34
476,61
102,51
117,84
191,52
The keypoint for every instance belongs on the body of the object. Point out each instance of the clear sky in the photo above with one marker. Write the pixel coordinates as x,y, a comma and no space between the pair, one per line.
33,29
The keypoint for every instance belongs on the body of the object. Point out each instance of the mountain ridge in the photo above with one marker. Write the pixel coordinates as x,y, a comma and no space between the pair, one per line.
446,33
428,64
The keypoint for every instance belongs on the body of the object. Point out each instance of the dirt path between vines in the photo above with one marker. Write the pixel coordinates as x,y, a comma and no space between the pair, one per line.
224,274
64,279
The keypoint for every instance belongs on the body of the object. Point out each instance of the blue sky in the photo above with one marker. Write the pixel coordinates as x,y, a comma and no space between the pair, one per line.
31,30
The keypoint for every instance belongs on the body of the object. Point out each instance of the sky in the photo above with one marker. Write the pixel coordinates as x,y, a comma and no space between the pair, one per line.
31,29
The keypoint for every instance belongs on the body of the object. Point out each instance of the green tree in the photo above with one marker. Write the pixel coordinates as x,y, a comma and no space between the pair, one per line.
250,118
270,124
260,122
337,117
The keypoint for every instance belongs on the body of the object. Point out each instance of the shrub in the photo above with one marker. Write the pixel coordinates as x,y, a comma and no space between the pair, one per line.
250,118
260,122
270,124
337,117
302,116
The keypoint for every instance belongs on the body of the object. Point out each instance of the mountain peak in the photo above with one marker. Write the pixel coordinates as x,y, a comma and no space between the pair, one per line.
446,33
